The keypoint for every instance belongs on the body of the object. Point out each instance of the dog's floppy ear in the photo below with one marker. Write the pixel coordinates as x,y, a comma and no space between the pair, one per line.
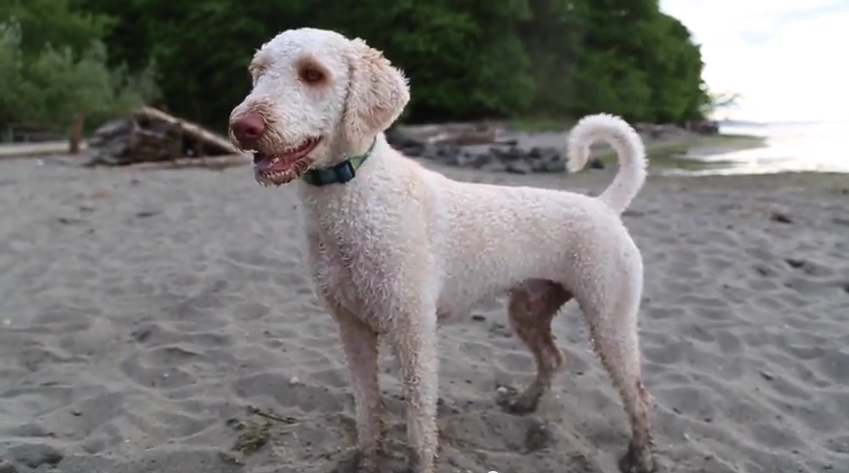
377,92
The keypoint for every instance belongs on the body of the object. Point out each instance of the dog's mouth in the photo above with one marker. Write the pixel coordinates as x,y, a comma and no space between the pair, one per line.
286,166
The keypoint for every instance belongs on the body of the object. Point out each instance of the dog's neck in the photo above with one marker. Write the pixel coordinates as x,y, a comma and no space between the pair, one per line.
342,171
377,149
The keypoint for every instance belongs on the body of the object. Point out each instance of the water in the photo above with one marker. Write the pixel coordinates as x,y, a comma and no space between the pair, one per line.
790,147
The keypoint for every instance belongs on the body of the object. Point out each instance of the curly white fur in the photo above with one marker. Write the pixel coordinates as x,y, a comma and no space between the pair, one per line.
628,146
401,248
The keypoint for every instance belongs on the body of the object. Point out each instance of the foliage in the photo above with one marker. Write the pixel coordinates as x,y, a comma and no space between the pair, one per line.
48,87
54,22
466,59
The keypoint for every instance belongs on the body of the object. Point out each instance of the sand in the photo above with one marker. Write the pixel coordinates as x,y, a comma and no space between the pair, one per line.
153,320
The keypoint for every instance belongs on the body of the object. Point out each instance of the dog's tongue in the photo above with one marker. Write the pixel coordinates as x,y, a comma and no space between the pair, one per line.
266,162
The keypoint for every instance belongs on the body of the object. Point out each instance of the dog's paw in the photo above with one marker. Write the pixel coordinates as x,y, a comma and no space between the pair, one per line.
516,403
412,463
355,462
638,459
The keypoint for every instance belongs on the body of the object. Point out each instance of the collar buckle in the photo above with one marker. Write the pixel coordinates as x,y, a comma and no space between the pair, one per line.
339,173
344,171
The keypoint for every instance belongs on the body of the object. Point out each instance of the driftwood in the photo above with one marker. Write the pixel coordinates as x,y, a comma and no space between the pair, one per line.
152,136
465,137
190,129
76,138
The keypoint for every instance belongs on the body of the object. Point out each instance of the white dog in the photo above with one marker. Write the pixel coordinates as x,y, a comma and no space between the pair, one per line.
395,248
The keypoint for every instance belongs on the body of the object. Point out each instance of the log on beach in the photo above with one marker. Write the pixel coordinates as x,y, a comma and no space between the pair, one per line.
149,135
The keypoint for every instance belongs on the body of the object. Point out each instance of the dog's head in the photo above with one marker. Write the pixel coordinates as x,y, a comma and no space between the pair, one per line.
317,98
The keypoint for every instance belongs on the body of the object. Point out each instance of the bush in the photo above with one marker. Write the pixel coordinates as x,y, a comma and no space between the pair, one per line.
48,87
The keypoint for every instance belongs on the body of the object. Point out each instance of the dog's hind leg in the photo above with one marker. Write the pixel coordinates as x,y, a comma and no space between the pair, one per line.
533,305
613,328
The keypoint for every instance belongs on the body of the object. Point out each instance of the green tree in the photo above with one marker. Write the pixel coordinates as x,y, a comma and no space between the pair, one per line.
465,58
54,22
460,61
674,69
48,87
553,37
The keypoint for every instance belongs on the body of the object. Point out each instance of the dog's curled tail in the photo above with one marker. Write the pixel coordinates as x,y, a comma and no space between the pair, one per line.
628,146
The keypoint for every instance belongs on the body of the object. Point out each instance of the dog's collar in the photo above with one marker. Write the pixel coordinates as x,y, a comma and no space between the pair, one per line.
338,173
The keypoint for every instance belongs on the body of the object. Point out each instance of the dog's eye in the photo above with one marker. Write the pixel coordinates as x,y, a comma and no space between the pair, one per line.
312,75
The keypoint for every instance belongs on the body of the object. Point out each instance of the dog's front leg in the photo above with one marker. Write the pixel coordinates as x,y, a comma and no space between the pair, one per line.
359,342
415,344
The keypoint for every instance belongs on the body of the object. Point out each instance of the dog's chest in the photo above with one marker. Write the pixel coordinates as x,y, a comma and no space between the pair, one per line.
347,267
343,276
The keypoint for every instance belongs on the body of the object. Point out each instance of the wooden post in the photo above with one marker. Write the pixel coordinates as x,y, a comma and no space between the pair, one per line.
77,123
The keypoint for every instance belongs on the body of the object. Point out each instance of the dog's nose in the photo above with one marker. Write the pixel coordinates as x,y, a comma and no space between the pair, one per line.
248,129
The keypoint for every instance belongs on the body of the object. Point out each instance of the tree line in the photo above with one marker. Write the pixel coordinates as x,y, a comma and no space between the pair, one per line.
466,59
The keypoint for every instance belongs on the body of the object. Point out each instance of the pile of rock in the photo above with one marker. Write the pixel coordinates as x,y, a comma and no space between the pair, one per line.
496,156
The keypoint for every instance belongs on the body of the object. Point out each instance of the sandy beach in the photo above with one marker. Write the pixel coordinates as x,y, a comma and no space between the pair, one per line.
163,321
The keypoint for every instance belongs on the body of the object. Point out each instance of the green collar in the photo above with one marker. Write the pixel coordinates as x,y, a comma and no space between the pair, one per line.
338,173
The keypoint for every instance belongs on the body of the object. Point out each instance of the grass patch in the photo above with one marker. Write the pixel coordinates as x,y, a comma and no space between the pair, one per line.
255,433
672,154
833,185
737,138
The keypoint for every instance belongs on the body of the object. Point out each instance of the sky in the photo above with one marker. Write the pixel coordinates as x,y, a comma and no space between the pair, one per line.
789,59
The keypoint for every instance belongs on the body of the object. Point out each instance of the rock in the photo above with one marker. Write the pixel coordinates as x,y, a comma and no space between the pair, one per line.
34,455
6,467
403,143
497,156
519,167
780,217
708,127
